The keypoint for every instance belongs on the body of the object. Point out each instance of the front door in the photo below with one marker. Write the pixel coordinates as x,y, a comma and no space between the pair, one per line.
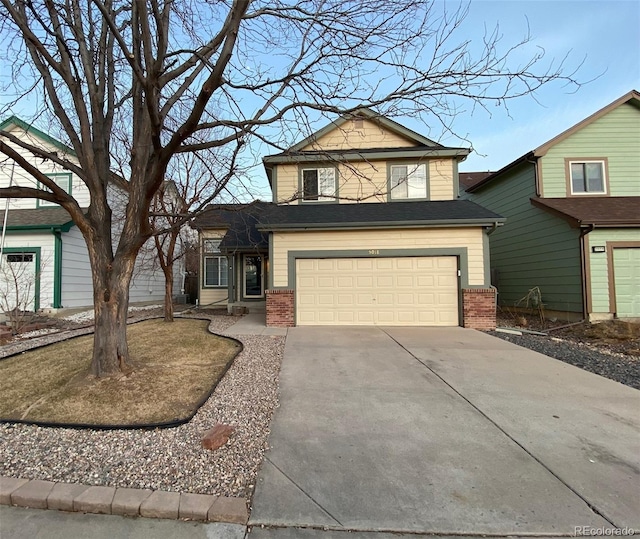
253,276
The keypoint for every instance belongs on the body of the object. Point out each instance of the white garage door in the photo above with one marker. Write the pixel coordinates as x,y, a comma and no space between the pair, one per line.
407,291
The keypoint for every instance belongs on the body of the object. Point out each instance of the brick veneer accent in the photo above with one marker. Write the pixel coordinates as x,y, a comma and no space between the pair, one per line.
280,308
479,308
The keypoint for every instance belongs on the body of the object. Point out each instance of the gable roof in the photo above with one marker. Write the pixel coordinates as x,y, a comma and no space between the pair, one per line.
367,114
38,219
14,120
632,97
424,147
601,211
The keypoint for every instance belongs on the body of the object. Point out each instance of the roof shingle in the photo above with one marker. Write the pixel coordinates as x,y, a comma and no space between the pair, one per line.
603,211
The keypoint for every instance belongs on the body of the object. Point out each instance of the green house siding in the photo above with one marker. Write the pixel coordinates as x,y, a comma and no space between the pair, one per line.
533,248
599,263
616,137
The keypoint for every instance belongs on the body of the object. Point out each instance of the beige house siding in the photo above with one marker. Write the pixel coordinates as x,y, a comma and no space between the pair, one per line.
374,240
366,181
614,137
359,134
207,296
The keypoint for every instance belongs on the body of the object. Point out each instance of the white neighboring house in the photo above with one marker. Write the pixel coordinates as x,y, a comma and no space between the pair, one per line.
41,237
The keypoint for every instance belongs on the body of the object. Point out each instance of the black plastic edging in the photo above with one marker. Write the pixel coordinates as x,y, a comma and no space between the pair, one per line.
138,426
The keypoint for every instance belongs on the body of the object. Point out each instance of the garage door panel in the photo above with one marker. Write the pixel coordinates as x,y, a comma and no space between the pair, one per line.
364,281
377,291
364,264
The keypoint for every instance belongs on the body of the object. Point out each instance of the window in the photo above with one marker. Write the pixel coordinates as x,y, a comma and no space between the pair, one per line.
216,266
587,177
62,180
408,181
319,184
19,257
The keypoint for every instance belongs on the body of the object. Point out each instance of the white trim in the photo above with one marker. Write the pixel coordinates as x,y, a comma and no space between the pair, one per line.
585,162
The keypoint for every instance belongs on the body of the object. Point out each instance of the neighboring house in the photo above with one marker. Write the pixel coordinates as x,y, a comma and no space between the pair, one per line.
573,218
365,228
469,179
42,240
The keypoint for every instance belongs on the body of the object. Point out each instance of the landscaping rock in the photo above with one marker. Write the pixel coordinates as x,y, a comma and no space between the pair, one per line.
217,436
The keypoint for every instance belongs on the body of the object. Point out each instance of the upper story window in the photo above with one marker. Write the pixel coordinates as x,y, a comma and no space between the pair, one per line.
62,180
587,177
408,182
319,184
216,265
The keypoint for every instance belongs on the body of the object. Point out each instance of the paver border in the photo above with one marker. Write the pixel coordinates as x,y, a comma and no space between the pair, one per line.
234,513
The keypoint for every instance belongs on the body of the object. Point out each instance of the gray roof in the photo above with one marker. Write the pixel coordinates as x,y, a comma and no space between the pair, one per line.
37,218
247,225
378,215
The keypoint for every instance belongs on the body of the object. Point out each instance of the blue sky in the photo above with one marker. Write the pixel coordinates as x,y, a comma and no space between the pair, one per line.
606,34
603,35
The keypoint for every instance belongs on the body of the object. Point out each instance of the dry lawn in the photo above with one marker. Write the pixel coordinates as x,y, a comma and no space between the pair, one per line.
175,367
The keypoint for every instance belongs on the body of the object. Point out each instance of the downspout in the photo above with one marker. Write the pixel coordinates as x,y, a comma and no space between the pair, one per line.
583,268
57,268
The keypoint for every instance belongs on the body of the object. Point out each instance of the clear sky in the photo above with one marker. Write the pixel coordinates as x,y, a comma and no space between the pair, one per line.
605,33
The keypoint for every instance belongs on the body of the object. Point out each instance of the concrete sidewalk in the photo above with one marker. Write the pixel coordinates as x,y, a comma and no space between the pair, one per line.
444,431
20,523
253,324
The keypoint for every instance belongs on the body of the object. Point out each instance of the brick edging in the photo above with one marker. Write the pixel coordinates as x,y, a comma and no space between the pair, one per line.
38,494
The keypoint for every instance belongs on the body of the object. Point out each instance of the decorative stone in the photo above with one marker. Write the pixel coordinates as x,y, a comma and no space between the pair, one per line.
217,436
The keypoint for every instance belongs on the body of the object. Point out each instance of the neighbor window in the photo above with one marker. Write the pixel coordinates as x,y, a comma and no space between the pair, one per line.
587,177
215,264
408,181
319,184
20,257
62,180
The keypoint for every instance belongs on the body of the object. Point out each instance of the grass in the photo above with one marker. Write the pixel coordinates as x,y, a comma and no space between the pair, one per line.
175,367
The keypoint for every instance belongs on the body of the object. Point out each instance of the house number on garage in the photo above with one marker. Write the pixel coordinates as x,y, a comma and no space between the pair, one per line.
374,251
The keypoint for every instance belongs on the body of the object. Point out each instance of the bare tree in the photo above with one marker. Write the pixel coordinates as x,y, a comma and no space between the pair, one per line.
18,288
158,72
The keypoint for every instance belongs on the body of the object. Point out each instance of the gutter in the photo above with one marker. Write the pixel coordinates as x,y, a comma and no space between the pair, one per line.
441,223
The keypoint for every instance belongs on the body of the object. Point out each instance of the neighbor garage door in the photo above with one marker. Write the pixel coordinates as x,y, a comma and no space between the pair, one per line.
407,291
626,270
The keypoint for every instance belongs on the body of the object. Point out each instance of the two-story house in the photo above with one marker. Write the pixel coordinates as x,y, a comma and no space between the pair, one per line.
44,255
365,228
573,218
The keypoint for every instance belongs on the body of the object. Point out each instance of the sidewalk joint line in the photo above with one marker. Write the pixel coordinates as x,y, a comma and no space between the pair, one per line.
593,508
302,490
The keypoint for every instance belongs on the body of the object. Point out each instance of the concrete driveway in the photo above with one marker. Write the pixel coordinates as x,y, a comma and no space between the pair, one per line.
444,431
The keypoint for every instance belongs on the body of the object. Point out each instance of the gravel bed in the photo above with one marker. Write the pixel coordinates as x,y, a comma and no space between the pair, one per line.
165,459
615,366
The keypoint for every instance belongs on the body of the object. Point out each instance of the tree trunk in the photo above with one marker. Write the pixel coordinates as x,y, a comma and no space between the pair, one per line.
111,279
168,293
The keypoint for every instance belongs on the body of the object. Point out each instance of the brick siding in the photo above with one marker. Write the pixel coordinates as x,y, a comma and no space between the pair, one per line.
479,308
280,308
